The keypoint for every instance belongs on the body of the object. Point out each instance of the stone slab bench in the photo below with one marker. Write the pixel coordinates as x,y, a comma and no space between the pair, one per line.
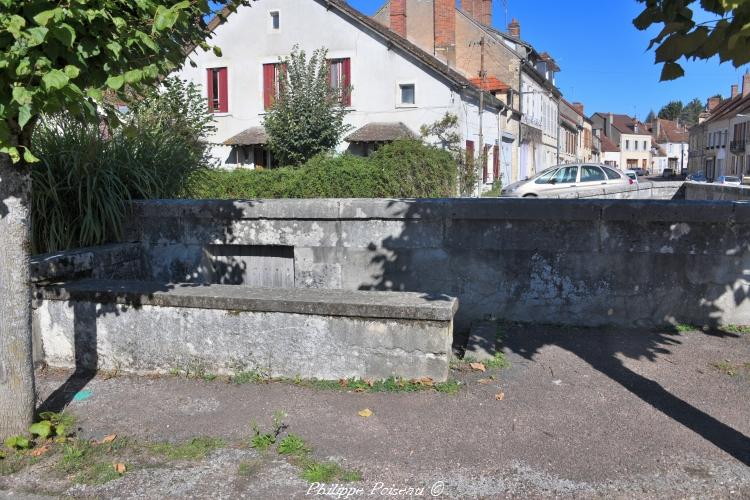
148,327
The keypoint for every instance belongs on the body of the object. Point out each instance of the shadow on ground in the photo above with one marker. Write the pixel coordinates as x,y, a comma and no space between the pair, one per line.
604,351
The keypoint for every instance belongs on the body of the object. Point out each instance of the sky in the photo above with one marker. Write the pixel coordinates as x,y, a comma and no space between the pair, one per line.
603,58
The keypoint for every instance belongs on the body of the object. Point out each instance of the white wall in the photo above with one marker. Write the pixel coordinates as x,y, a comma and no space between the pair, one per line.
247,42
540,110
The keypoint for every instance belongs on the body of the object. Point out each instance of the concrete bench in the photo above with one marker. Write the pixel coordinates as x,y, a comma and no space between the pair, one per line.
147,327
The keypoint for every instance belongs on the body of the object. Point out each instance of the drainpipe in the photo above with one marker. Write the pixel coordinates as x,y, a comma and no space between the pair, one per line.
558,131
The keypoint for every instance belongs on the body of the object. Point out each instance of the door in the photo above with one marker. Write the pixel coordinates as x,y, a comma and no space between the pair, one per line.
507,176
565,178
592,176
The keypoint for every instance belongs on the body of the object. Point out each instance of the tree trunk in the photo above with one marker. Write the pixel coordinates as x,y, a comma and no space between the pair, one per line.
17,394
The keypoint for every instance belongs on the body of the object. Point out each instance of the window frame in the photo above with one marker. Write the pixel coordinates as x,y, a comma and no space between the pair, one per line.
274,15
217,81
399,94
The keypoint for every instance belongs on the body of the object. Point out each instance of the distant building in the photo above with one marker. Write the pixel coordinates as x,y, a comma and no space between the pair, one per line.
396,87
670,150
516,72
631,137
719,143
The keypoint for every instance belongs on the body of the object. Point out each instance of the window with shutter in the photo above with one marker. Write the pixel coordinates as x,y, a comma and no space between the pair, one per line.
496,162
272,82
218,90
340,77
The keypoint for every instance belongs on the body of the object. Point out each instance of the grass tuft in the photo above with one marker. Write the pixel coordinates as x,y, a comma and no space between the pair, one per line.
292,445
328,472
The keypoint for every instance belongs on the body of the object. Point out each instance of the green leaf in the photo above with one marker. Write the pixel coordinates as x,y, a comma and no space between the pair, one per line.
115,82
15,157
671,71
65,33
24,115
133,76
36,36
71,71
22,95
43,17
217,51
17,442
24,67
95,94
44,428
55,79
115,48
165,18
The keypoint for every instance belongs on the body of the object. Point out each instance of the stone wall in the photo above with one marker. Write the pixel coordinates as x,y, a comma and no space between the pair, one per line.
118,260
143,327
584,262
710,191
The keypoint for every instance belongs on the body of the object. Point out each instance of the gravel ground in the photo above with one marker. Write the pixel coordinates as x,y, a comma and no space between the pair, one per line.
585,413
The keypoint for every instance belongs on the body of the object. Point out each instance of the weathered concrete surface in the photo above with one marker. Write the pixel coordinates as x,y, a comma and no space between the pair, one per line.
115,261
222,329
586,414
585,262
711,191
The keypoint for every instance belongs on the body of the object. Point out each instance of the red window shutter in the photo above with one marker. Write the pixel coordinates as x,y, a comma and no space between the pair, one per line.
223,91
469,151
210,87
269,87
346,72
496,162
485,173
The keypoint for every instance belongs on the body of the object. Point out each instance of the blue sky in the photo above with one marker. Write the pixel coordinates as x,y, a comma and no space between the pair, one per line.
603,58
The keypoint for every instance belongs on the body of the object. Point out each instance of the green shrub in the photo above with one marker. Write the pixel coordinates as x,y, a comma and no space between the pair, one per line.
88,173
403,169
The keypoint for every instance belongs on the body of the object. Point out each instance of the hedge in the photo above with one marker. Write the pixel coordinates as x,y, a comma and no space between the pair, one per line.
402,169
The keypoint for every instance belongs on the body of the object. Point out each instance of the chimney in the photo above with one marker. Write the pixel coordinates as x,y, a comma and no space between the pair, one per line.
713,102
735,91
398,17
468,7
578,107
444,18
658,129
746,84
485,17
514,28
609,125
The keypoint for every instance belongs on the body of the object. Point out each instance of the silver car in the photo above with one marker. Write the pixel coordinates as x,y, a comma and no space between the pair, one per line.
566,178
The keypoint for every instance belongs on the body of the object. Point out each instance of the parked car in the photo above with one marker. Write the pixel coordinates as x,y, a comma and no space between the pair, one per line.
667,173
697,177
640,171
633,175
732,180
562,179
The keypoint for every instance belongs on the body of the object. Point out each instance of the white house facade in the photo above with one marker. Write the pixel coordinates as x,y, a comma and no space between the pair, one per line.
395,86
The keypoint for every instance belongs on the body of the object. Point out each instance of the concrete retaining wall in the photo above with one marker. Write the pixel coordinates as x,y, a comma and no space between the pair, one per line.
147,327
115,261
585,262
710,191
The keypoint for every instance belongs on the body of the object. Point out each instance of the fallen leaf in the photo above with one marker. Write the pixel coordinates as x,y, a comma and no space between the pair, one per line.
369,382
500,396
38,452
365,413
108,439
477,366
343,382
426,381
359,389
119,468
485,380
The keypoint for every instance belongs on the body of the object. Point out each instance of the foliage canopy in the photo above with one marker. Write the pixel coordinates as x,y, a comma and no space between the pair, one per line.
57,56
727,36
